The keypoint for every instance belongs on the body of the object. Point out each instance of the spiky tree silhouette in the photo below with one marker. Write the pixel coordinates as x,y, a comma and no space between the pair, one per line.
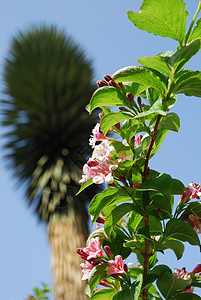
48,82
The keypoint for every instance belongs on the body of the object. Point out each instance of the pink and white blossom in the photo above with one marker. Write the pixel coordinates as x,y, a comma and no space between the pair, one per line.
116,266
96,136
138,140
182,274
195,222
93,250
195,189
86,269
102,151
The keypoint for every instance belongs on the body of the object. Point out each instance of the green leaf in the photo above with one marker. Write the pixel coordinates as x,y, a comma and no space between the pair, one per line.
113,118
196,280
162,203
186,296
161,269
132,292
115,215
159,140
135,88
116,243
156,108
170,122
190,86
181,57
85,185
155,227
165,18
196,33
108,96
156,62
133,221
161,183
177,187
104,294
149,279
193,207
97,274
140,75
100,200
174,245
180,230
168,286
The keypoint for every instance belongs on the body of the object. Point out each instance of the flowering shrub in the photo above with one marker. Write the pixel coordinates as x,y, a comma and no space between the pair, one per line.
137,208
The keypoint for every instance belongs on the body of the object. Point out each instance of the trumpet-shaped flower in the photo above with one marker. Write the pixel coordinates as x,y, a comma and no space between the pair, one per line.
187,194
102,151
197,269
182,274
96,136
93,250
195,189
116,266
195,222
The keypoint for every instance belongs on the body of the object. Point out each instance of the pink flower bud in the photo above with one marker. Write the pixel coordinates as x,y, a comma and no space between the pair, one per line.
121,108
187,194
112,83
108,250
101,83
100,220
197,269
138,140
121,85
108,78
117,126
130,98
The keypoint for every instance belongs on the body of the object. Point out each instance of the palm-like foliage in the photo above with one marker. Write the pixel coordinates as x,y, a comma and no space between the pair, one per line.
48,82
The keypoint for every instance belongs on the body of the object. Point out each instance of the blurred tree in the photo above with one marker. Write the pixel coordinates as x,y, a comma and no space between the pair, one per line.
48,82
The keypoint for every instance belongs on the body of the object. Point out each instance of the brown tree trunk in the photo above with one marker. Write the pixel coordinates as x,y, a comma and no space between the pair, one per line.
66,233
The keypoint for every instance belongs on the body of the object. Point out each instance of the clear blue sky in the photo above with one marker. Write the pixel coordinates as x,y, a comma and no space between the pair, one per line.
112,42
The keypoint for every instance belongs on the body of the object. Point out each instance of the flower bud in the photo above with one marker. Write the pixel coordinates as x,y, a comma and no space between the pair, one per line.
100,220
130,98
139,101
121,108
122,179
117,126
197,269
125,268
92,163
108,78
121,85
108,250
112,83
101,83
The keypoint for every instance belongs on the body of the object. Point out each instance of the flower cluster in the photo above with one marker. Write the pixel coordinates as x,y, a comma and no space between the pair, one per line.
93,255
191,192
183,274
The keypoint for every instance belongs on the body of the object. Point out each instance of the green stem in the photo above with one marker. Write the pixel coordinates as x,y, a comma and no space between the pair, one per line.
192,23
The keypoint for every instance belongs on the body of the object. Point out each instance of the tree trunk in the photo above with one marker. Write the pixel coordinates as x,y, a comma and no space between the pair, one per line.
66,233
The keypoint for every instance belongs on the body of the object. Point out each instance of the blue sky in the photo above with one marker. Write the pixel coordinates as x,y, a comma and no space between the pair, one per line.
112,42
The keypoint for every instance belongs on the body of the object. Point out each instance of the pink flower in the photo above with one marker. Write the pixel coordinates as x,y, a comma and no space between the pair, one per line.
93,250
116,266
195,189
187,194
102,151
195,222
138,140
182,274
86,269
96,136
197,269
